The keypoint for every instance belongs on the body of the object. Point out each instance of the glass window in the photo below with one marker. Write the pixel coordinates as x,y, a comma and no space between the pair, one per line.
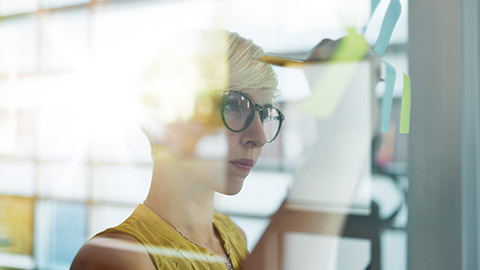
8,7
253,191
123,184
17,133
62,132
59,233
17,177
64,180
19,46
314,251
65,40
16,224
252,227
128,145
46,4
107,215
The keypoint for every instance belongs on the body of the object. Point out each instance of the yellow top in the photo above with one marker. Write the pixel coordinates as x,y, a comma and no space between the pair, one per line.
170,250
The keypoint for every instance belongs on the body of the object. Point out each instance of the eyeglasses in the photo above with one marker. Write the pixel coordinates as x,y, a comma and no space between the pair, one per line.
238,111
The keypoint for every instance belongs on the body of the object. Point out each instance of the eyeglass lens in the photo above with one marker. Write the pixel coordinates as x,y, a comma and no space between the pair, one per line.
238,112
237,109
271,124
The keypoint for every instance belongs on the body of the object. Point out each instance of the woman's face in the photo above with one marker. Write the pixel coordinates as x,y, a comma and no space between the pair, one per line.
244,147
227,169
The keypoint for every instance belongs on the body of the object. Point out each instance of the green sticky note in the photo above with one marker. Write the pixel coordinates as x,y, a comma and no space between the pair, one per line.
406,105
352,47
328,83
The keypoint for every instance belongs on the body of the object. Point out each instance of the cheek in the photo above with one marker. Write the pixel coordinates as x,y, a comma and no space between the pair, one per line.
233,140
257,152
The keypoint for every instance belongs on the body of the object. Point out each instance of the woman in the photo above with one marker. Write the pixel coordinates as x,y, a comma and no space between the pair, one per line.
176,227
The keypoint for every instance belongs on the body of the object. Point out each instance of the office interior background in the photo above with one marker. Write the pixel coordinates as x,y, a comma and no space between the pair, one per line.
73,160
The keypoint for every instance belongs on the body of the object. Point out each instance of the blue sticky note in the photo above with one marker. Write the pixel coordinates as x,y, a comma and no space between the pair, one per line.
388,24
387,97
374,4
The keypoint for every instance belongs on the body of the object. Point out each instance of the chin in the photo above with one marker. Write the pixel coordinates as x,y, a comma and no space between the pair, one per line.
232,186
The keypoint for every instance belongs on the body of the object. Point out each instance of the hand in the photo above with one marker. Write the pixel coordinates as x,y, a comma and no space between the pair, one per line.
324,50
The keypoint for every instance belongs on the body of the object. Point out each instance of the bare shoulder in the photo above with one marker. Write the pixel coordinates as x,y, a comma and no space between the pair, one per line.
112,251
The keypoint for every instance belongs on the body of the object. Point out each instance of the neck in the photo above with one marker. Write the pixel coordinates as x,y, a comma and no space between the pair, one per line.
187,204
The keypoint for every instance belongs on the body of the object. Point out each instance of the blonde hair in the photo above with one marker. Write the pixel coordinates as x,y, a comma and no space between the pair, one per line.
246,72
196,62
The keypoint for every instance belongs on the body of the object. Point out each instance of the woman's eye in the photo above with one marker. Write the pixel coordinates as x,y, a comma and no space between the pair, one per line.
230,106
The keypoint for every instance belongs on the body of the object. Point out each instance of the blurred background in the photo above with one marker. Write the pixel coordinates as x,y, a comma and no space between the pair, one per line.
73,160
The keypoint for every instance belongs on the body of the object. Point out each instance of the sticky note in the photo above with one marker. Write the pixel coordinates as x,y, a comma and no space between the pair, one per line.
352,47
387,97
374,4
329,81
406,105
388,24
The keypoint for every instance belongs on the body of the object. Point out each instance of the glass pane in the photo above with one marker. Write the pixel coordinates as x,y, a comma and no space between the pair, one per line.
46,4
252,227
254,187
19,6
17,177
60,231
16,224
314,251
121,184
106,216
16,133
8,132
60,135
25,133
19,45
65,42
128,145
16,261
64,181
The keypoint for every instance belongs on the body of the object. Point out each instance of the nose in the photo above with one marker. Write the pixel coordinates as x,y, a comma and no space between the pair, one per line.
254,135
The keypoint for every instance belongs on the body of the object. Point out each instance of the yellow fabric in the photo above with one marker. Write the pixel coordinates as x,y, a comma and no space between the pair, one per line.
169,250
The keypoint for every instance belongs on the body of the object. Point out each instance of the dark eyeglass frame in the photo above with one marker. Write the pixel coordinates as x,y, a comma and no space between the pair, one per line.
262,111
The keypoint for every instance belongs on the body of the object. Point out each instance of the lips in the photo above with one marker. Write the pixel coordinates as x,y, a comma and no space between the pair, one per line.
243,164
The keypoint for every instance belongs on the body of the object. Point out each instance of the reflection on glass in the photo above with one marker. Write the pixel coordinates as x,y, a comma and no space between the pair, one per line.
60,231
17,177
16,224
46,4
63,180
15,7
19,45
110,182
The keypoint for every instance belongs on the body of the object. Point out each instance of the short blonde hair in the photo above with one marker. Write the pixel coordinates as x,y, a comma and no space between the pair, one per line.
246,72
199,61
